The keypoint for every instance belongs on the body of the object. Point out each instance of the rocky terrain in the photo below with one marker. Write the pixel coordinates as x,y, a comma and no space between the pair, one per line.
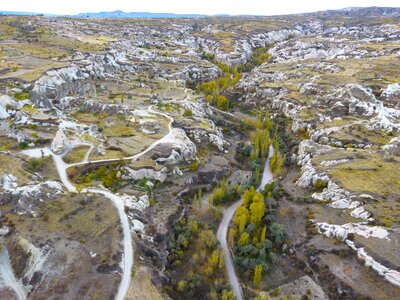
107,134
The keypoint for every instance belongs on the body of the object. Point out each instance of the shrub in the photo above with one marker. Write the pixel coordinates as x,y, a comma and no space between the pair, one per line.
23,145
35,165
21,95
187,113
194,166
320,184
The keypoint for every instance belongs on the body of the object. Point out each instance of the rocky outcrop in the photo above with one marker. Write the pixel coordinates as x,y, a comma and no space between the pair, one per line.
57,84
309,174
3,113
342,231
195,74
77,79
216,137
59,142
134,203
182,148
390,275
150,174
28,197
358,100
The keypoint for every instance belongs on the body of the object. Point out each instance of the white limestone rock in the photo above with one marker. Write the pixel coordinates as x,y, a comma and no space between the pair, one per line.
150,174
3,113
137,226
59,142
182,148
342,231
133,203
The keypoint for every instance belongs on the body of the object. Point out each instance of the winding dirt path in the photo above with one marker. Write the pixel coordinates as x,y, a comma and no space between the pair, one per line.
117,201
222,233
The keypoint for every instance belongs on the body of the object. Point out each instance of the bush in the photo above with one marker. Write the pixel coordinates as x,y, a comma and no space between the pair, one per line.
35,165
224,193
21,95
194,166
320,184
23,145
187,113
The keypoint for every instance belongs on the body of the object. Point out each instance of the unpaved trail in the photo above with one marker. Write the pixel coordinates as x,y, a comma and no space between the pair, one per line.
222,232
117,201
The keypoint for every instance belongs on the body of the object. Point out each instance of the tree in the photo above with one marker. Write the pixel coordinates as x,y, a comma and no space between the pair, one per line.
194,226
194,166
232,234
320,184
248,196
257,275
223,103
257,208
182,286
244,239
241,218
277,233
207,237
263,233
257,174
277,159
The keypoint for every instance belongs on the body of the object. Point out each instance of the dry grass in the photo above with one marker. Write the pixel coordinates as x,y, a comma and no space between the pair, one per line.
93,223
76,155
109,154
12,165
120,131
141,287
370,174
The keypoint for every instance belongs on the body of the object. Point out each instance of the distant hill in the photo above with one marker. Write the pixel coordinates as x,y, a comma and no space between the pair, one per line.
121,14
112,14
23,13
366,12
356,12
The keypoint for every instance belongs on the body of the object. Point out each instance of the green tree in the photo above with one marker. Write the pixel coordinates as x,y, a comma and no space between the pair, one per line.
241,218
223,103
244,239
257,208
182,286
257,275
263,234
277,233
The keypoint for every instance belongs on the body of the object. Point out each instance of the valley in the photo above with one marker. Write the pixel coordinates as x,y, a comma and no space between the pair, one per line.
200,158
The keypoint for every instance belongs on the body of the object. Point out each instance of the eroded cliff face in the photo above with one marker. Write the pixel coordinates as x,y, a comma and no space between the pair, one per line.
78,80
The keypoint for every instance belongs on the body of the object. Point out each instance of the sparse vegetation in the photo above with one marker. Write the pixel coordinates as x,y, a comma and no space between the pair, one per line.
35,165
108,176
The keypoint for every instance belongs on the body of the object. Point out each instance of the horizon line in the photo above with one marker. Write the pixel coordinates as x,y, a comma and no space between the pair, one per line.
27,13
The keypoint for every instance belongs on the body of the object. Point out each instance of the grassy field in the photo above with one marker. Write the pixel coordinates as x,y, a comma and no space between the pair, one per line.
86,219
371,174
76,155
